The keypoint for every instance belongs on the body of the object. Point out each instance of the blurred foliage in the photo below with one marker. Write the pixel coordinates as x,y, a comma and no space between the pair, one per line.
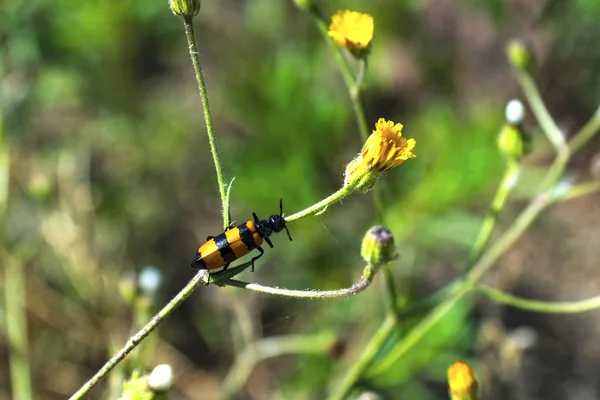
110,171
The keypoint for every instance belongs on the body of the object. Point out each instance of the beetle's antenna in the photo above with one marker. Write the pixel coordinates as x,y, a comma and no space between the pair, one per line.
281,207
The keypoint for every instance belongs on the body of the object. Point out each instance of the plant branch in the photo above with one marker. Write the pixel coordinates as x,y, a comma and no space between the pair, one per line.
269,348
323,204
191,39
134,340
509,181
552,307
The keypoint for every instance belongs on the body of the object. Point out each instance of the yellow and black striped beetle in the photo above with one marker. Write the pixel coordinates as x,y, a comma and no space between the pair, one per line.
235,242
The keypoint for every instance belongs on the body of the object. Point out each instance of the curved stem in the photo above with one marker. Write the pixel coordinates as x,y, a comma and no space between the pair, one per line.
586,133
540,111
315,208
358,287
134,340
511,175
269,348
191,39
580,190
360,366
553,307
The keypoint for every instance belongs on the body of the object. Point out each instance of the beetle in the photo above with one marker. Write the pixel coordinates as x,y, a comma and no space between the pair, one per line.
235,242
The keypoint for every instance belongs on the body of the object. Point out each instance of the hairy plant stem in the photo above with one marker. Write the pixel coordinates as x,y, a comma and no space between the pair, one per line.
201,276
134,340
323,204
193,48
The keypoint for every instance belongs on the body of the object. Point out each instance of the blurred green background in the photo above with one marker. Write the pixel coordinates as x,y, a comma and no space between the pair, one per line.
109,173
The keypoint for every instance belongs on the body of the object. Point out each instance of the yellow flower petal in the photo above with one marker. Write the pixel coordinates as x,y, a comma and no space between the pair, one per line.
386,148
351,30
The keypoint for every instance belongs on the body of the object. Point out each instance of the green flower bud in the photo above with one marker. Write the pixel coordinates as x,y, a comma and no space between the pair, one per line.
378,246
306,5
135,388
518,54
40,186
359,176
512,142
185,8
128,288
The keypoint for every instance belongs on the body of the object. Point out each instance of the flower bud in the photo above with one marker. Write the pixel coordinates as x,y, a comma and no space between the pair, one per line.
40,186
378,246
149,279
513,142
306,5
518,54
161,378
514,112
185,8
128,288
462,382
360,176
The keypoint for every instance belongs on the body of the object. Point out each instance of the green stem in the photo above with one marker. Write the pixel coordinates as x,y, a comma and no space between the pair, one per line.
511,175
321,205
135,340
352,84
547,123
358,287
16,329
269,348
191,39
464,287
586,133
360,366
553,307
580,190
420,330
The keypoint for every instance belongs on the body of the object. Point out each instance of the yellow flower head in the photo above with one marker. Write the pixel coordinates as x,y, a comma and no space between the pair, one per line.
462,381
384,149
352,30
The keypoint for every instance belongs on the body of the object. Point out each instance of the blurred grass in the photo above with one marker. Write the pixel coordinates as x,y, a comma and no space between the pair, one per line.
110,170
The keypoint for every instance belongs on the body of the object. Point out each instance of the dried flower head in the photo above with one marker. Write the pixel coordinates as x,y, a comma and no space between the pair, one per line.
352,30
384,149
462,382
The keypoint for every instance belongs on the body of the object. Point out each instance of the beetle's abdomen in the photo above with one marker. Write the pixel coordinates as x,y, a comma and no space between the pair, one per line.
228,246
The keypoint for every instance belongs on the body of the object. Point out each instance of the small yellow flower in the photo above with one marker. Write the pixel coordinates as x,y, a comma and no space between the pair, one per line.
463,382
352,30
384,149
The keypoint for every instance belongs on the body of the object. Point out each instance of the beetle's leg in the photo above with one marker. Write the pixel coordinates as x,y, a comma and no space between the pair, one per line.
209,238
268,240
257,257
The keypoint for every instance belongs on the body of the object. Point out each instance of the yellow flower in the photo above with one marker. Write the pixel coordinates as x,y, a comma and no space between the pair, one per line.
463,382
384,149
352,30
